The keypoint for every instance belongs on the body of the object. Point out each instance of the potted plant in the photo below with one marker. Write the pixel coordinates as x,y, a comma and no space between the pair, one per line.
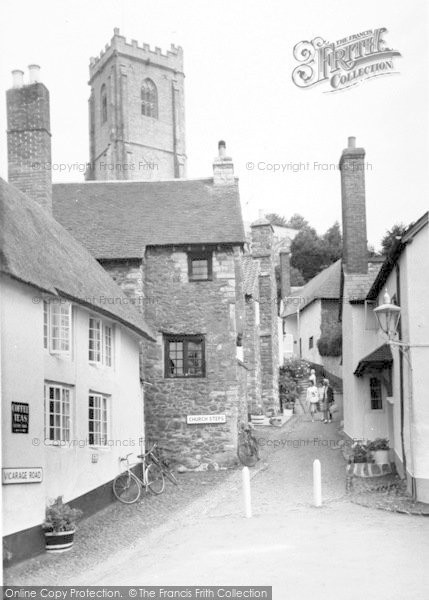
379,450
60,526
257,416
359,453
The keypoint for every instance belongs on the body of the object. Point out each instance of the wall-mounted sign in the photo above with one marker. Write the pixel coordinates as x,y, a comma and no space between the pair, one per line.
22,475
20,417
196,419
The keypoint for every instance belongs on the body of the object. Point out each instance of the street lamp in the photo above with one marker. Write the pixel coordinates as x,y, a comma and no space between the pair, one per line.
387,315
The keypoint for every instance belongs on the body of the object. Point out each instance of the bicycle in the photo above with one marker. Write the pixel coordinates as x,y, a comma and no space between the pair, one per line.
127,486
248,447
163,464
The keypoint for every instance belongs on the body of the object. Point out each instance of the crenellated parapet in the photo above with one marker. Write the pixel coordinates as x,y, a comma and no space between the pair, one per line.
172,60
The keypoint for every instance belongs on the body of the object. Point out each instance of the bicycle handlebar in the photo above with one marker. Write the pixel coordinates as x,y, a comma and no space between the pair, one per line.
125,457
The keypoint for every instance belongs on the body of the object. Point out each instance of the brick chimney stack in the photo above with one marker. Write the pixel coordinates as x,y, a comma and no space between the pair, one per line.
285,272
352,166
29,137
223,168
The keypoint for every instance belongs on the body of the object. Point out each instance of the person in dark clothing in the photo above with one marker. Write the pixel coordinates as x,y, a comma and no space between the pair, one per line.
327,399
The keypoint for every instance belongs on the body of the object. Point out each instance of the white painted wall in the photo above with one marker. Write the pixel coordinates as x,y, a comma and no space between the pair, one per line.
414,268
359,420
68,471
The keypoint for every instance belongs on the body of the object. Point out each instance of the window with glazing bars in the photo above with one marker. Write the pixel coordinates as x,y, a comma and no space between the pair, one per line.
57,325
200,266
376,394
57,413
97,420
184,356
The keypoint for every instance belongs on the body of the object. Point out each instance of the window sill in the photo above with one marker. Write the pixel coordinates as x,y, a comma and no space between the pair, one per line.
185,377
199,280
99,365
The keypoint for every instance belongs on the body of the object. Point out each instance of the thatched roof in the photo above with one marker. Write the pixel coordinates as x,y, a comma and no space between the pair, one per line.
38,251
117,219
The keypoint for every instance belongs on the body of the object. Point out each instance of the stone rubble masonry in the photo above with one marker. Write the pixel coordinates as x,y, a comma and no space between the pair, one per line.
262,250
353,210
29,142
252,355
215,309
208,308
130,145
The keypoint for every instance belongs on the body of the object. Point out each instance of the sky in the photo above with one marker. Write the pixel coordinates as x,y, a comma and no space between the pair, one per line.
238,65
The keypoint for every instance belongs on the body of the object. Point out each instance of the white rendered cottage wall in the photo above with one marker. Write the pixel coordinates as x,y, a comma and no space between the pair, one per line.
414,267
75,468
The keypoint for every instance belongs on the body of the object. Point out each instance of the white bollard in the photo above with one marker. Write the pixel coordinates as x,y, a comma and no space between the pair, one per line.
246,493
317,483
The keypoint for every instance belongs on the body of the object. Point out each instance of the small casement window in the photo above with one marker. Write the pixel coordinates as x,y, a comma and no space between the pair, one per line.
310,342
184,356
200,266
100,342
97,420
103,103
57,325
149,99
375,393
57,413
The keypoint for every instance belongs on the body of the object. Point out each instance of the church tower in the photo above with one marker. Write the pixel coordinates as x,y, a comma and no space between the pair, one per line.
136,113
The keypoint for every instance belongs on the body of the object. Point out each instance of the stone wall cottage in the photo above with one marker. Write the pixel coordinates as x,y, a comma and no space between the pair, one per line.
177,249
72,400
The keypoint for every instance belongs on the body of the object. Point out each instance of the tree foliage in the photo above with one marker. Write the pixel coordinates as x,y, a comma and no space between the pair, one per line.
310,252
390,237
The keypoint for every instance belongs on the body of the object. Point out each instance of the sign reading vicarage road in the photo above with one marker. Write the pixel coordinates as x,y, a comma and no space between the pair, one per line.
22,475
197,419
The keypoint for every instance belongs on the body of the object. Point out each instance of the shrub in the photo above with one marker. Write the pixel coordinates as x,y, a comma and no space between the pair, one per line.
60,516
378,444
296,368
330,344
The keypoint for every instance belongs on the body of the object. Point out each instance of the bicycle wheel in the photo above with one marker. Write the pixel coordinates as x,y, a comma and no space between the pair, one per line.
155,479
126,488
170,475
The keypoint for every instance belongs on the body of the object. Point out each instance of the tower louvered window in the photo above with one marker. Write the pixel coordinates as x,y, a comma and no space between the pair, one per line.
149,99
103,98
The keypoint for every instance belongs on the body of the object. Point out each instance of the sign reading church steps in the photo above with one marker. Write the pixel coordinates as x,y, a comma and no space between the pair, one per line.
22,475
197,419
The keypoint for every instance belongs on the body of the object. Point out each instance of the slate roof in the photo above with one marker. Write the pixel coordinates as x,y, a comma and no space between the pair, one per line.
251,270
117,219
325,285
378,359
357,285
38,251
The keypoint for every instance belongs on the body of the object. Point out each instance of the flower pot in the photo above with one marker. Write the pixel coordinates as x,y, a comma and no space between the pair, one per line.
59,541
381,457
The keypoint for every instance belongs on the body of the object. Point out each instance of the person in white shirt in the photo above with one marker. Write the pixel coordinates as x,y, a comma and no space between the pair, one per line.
312,377
312,400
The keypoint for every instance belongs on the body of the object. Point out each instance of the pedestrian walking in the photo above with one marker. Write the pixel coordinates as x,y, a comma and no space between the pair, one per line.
326,400
312,377
312,399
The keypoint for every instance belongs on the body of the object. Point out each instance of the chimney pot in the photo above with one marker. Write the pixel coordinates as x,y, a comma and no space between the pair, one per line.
352,142
34,73
222,148
116,31
17,78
